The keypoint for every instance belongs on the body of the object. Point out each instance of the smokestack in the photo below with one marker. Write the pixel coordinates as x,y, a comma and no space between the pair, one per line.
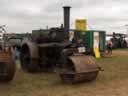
66,21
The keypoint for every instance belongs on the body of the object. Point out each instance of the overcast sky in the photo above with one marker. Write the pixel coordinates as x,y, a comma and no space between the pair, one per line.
25,15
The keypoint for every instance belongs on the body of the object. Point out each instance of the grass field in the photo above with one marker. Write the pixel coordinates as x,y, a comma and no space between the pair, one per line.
113,81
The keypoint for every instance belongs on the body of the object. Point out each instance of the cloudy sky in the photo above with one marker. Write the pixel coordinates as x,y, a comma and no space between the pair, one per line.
25,15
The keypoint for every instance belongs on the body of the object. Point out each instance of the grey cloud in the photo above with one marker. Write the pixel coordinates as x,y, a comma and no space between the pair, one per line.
25,15
58,4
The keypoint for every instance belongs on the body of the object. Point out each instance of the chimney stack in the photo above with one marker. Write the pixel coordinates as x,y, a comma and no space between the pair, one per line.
66,21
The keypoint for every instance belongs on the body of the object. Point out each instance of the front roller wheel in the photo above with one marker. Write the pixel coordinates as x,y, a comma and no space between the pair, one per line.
79,68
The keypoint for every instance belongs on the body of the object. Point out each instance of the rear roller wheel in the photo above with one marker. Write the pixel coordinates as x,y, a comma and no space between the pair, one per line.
28,63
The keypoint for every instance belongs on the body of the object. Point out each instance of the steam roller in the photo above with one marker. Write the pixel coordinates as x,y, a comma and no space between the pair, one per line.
7,66
51,49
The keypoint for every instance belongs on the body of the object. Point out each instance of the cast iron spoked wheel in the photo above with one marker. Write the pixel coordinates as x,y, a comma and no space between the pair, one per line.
27,63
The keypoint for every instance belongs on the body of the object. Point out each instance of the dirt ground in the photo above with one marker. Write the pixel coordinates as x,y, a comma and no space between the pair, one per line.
113,81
